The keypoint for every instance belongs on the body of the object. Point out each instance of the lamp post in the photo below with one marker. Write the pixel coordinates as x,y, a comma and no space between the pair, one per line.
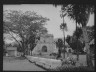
63,26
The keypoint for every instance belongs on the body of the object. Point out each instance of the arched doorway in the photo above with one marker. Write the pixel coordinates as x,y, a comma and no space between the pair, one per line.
44,49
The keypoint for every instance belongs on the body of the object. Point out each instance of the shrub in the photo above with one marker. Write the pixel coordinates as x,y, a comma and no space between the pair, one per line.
70,60
53,54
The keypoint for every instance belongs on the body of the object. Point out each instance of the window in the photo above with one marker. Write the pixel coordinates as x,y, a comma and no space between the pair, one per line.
44,49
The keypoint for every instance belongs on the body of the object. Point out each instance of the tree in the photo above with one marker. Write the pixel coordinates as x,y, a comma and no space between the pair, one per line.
72,41
59,45
32,42
64,28
81,14
77,33
4,47
26,25
90,31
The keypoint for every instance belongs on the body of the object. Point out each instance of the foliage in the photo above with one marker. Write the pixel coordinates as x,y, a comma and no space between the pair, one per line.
28,26
59,45
79,12
71,40
90,31
71,68
68,38
78,32
69,61
63,26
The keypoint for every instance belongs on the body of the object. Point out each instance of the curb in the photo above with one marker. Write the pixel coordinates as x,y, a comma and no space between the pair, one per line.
45,66
39,65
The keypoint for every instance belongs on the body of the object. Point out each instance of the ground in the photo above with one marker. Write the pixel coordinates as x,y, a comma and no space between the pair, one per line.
9,64
22,64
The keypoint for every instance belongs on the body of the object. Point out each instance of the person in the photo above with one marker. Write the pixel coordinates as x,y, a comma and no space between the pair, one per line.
6,54
68,50
69,53
59,54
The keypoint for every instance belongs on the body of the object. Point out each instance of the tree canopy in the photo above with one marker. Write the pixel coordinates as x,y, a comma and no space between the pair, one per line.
71,40
59,43
27,25
79,12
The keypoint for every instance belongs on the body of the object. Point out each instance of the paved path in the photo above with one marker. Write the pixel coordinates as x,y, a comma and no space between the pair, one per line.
45,62
22,65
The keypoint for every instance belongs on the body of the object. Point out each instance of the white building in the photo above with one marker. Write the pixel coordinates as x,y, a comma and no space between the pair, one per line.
46,45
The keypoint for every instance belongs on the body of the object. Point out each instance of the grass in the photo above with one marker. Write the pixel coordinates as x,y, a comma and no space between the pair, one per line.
20,65
20,58
8,59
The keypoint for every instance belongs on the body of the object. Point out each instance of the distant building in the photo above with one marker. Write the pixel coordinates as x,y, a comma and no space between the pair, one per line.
11,51
45,45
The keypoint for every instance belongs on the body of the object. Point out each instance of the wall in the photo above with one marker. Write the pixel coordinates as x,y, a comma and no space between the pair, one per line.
45,41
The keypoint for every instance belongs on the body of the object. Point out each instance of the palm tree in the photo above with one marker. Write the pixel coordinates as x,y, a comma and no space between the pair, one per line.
63,27
81,14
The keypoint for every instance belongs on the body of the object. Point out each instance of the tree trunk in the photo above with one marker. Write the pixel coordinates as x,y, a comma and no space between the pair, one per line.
15,39
77,56
64,42
59,53
31,53
31,49
23,48
88,55
77,44
77,52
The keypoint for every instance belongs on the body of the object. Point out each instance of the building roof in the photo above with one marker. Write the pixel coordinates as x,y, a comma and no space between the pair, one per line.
46,35
11,48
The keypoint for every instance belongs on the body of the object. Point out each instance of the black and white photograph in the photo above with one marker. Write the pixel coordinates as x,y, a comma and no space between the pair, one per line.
48,37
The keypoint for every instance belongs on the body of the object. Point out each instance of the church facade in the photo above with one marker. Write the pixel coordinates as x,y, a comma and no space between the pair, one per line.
45,45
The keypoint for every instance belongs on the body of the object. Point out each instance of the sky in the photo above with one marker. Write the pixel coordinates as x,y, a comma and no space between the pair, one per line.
51,12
